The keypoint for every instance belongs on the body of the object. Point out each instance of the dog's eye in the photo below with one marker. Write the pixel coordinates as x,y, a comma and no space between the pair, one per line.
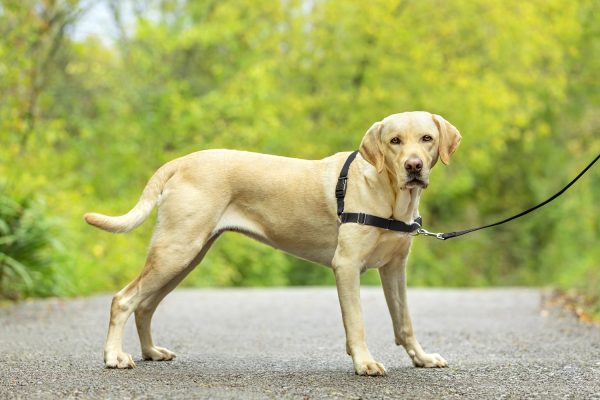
427,138
395,140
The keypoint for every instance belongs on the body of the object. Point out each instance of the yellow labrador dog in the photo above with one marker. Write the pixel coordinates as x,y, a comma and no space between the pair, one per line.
289,204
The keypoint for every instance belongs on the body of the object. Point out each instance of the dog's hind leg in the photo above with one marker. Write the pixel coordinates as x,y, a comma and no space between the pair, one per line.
145,311
173,253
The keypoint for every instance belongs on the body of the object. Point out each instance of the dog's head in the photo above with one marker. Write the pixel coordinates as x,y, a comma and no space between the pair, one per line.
408,145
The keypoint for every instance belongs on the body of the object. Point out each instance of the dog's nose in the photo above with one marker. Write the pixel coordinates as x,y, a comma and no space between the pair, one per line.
413,164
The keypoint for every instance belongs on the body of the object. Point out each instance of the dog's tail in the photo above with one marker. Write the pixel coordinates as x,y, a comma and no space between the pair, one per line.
138,214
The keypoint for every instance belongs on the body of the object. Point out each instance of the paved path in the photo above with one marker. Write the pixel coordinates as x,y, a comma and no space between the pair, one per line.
289,343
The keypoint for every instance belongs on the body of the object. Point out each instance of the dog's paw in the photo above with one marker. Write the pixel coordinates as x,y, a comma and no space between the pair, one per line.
119,360
369,368
156,353
425,360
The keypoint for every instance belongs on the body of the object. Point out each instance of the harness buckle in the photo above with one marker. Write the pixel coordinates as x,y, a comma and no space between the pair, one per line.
425,232
340,187
362,217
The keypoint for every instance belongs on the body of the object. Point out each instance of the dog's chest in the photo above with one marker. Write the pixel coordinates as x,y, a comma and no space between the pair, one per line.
391,245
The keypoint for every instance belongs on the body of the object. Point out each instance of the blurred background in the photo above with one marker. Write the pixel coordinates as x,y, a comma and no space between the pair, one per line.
96,95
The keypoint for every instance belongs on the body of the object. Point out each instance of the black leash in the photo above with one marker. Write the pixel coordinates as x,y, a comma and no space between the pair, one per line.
450,235
415,227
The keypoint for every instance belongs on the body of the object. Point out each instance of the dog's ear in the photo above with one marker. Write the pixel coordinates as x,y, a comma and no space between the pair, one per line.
370,147
449,138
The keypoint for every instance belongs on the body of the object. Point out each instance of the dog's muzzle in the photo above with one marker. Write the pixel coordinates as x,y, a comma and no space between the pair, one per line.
415,179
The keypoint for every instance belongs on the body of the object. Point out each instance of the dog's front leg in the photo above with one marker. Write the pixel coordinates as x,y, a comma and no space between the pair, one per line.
393,279
347,277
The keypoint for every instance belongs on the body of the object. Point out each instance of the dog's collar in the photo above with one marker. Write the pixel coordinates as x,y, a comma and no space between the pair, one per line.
367,219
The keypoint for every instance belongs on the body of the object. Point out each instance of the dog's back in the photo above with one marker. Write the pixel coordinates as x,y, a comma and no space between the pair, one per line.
261,195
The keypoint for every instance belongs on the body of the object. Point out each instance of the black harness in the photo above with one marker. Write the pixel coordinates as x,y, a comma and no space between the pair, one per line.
415,228
367,219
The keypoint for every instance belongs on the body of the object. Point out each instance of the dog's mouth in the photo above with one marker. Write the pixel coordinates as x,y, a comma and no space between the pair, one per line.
414,181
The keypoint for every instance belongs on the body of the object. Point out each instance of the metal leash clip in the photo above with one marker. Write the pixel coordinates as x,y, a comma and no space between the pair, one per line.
425,232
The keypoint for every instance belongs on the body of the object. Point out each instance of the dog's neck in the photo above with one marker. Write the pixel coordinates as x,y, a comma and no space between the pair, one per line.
402,203
406,204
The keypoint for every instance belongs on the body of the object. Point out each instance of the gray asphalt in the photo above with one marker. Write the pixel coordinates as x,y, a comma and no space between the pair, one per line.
289,343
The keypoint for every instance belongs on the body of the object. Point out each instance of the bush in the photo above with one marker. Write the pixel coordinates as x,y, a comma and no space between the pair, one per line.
26,249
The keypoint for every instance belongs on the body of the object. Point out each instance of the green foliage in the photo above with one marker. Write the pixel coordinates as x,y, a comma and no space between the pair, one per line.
85,123
26,245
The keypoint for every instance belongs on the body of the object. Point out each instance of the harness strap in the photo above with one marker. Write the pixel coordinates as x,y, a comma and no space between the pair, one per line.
340,188
384,223
367,219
